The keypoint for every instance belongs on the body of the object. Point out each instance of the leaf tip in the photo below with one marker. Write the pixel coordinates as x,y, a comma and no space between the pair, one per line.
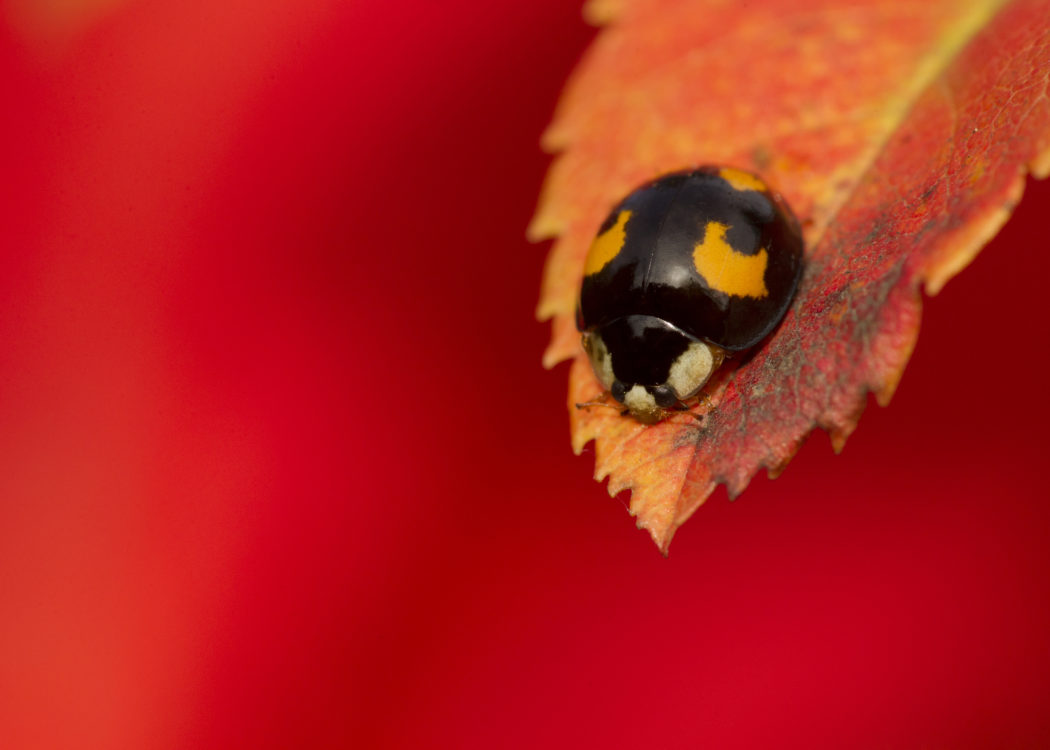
661,536
602,12
838,440
884,395
1040,166
975,235
839,432
542,227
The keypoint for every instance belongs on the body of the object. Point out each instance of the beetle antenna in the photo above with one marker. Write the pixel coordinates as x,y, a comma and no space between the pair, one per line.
600,400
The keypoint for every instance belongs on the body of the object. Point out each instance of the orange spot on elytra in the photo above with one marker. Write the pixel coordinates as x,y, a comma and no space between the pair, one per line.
725,269
606,245
741,180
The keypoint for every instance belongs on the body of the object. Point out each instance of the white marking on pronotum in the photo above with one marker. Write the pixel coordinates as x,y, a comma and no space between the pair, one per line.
601,359
641,403
692,369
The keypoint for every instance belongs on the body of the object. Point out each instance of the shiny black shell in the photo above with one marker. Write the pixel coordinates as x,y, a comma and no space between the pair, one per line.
712,252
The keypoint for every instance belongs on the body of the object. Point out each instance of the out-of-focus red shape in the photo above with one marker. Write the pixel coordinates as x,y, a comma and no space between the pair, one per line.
48,25
901,135
279,467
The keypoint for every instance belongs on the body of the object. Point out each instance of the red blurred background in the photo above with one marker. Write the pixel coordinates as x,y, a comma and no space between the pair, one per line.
279,466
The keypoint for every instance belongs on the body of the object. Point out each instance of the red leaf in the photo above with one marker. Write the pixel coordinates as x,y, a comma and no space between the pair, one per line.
899,133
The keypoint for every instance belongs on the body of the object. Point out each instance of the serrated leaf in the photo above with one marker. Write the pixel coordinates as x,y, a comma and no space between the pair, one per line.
899,132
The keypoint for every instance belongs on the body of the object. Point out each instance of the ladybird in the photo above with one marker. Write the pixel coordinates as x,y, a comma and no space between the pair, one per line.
686,270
